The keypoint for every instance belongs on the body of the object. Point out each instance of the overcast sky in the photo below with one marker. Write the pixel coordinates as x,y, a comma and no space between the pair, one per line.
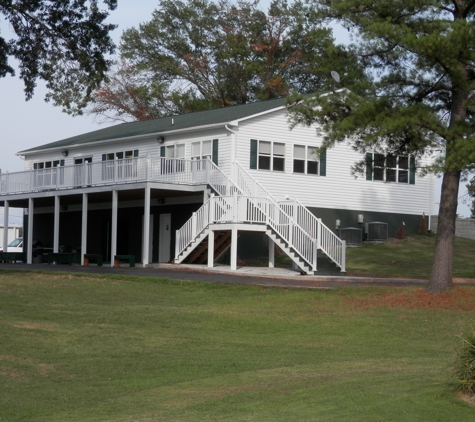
26,124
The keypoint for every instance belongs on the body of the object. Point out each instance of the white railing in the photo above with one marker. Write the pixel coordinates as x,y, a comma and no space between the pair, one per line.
327,241
248,209
129,170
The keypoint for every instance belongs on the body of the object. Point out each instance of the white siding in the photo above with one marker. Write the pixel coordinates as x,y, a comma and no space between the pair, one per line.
338,189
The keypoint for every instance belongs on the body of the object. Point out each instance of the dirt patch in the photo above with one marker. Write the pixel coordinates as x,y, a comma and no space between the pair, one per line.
458,299
466,398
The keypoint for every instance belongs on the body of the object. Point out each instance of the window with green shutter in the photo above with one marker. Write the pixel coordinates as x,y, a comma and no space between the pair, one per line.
390,168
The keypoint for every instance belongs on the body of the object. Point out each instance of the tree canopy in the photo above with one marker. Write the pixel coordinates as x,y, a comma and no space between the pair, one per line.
63,42
199,54
419,57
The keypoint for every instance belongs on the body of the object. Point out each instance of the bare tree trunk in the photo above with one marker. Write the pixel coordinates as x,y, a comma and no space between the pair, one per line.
441,276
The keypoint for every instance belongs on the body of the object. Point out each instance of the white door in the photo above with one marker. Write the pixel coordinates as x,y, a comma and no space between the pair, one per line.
164,243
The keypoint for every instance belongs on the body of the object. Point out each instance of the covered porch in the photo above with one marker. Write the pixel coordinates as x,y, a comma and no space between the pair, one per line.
135,219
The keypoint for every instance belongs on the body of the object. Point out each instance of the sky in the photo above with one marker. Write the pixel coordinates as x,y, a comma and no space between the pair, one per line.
26,124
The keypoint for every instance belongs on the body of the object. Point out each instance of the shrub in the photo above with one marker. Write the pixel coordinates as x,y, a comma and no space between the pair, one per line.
464,365
422,229
400,232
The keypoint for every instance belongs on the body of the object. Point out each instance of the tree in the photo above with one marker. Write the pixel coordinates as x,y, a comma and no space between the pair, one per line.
63,42
420,61
207,55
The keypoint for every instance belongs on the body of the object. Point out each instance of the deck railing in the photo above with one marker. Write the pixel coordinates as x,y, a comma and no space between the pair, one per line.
327,241
128,170
247,209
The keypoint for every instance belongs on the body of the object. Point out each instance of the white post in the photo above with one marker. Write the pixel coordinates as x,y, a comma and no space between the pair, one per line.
290,232
84,227
319,233
6,209
234,239
193,225
271,253
193,168
211,209
29,253
57,209
146,228
343,256
210,249
177,243
114,226
235,207
315,251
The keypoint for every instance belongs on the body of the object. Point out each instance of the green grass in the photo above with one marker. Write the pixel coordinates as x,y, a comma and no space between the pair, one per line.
79,348
411,257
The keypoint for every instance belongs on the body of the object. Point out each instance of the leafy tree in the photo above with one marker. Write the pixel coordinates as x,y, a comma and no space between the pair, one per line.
62,42
420,61
206,55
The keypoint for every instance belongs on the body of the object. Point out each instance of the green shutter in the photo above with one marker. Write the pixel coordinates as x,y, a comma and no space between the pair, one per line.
253,162
215,151
412,171
369,166
323,163
35,166
136,152
61,163
104,157
162,151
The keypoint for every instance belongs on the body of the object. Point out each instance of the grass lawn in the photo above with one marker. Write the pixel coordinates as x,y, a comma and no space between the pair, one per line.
78,348
411,257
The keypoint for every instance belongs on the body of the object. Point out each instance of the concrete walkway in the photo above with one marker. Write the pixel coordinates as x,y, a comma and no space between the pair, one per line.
263,276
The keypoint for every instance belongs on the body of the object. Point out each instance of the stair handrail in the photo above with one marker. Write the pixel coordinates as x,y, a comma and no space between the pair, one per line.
219,181
249,210
327,241
251,187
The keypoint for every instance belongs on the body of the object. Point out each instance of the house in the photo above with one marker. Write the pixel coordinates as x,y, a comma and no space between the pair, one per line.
161,190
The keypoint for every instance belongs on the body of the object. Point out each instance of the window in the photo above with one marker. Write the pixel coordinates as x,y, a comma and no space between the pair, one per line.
266,155
305,159
47,172
126,165
172,151
82,174
390,168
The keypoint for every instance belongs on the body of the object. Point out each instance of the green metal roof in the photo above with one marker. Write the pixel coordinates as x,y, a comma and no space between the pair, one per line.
164,124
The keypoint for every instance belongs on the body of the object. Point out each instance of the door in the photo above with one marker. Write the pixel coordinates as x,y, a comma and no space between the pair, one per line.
164,244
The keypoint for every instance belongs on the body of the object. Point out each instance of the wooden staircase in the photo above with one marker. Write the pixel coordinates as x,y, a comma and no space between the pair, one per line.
222,241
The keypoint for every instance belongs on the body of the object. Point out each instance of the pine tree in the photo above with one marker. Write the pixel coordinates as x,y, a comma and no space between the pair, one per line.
419,95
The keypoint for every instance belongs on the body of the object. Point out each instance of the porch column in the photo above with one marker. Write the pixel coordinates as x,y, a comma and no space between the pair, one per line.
29,252
234,239
210,249
85,199
271,253
114,226
5,225
56,224
146,228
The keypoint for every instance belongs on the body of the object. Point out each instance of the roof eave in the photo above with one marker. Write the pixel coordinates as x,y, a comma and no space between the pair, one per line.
126,138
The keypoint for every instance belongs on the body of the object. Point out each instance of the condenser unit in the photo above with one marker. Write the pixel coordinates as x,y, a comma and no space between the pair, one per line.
352,235
377,231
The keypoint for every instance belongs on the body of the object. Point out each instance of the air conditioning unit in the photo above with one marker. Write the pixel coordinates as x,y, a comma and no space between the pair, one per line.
377,231
352,235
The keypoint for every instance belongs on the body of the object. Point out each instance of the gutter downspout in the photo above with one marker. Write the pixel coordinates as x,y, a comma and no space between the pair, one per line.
233,149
